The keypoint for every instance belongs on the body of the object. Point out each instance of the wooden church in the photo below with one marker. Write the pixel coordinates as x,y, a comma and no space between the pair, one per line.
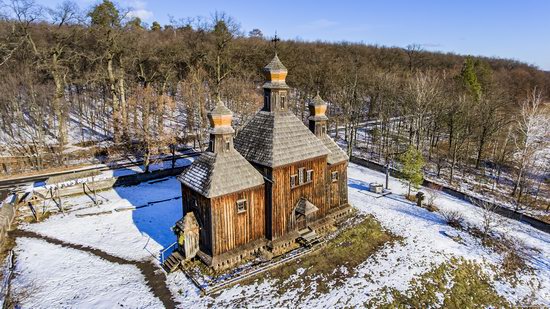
266,188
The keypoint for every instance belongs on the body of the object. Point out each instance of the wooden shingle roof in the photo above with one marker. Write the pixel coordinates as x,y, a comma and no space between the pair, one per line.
305,207
336,154
275,64
277,138
216,174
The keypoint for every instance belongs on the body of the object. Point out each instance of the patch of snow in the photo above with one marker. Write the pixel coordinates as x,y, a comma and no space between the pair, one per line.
137,234
50,276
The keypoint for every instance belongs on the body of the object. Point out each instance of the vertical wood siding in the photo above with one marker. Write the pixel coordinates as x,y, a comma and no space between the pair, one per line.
203,215
232,229
338,194
284,199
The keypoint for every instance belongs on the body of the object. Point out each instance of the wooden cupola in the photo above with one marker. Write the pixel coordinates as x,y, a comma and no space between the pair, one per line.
318,118
221,132
275,87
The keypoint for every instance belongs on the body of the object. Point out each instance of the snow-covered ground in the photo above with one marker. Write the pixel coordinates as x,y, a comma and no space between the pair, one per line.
50,276
133,234
140,234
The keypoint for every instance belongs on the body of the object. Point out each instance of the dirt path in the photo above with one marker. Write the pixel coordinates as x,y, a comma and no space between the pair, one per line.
154,277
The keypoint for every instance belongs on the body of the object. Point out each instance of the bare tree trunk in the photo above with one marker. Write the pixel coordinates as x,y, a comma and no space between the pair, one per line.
480,148
146,132
57,102
123,106
453,162
115,101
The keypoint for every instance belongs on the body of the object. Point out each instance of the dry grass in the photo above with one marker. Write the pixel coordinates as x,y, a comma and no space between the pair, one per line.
428,203
514,253
41,217
456,284
7,245
329,266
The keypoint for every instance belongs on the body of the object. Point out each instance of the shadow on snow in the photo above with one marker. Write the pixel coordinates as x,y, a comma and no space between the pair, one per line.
158,207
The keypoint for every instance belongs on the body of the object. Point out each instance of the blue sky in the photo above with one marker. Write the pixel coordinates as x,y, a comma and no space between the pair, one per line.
507,29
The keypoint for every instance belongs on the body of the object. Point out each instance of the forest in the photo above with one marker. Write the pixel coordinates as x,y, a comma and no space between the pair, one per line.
80,85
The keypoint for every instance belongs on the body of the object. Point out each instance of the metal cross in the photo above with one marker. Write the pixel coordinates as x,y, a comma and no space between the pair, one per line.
275,40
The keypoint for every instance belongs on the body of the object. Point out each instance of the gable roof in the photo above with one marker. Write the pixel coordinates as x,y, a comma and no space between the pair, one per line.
336,154
305,207
216,174
277,138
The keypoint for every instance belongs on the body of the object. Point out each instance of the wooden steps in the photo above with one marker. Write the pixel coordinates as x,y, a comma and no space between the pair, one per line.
308,237
172,262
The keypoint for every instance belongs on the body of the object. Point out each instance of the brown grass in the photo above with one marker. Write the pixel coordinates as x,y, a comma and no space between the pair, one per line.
329,266
471,288
515,253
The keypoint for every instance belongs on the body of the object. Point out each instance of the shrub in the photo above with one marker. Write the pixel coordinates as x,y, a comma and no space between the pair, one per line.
453,218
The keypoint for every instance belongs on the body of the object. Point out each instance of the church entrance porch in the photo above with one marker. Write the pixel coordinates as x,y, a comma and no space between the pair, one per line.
304,213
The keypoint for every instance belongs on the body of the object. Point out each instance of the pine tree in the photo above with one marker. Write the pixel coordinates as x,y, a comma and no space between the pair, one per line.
413,162
470,78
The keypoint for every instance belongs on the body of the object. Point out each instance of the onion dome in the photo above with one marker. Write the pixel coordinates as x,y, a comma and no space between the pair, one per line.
317,108
275,72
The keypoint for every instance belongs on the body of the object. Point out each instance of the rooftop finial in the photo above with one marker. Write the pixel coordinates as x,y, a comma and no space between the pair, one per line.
219,100
275,40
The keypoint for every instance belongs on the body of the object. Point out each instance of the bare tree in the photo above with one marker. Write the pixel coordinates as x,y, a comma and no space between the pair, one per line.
489,219
532,136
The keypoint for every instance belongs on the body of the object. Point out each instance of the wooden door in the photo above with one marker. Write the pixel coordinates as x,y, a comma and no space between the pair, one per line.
300,222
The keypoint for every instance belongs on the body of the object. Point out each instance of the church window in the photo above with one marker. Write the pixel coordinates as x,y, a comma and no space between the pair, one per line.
334,176
309,175
227,145
283,102
293,180
241,205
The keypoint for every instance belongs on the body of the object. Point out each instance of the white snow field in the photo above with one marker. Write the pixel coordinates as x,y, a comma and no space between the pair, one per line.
52,276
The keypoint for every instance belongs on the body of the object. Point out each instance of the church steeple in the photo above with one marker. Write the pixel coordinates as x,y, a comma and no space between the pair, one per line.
318,119
275,87
221,131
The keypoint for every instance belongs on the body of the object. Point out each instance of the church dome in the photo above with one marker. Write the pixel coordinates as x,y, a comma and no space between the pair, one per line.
275,71
220,118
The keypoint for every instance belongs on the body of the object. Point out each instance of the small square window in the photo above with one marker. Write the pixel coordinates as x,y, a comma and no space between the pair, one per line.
334,176
309,175
241,206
